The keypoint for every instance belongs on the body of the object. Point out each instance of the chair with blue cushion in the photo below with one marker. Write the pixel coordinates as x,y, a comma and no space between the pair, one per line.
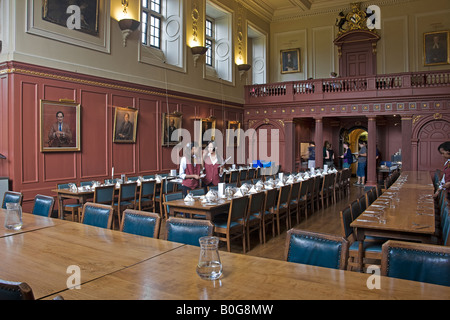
187,231
362,203
294,201
317,249
73,208
371,248
43,205
104,195
231,225
197,192
147,195
12,197
416,262
169,197
270,203
141,223
242,176
282,208
126,199
255,215
97,215
15,291
234,176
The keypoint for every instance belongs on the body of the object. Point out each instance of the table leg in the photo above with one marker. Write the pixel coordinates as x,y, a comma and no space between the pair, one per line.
60,207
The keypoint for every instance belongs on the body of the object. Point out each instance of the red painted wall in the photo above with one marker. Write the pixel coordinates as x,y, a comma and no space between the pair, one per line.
32,171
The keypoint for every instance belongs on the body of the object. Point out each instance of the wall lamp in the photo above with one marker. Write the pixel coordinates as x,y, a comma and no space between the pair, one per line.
128,26
243,68
197,52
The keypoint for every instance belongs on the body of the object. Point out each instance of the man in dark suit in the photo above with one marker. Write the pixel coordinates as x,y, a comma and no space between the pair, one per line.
125,131
60,134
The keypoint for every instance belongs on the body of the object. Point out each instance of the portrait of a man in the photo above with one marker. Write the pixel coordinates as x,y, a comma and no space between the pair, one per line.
125,125
170,123
436,47
290,60
60,126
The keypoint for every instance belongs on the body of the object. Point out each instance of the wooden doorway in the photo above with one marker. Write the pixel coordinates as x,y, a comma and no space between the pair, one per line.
430,136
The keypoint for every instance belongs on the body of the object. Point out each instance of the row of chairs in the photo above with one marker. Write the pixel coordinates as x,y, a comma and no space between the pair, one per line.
43,205
399,259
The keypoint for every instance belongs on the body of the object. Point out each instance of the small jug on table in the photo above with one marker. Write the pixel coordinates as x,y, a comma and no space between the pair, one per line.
209,266
13,218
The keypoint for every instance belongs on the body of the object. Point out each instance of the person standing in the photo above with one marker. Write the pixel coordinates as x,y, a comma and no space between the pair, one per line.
312,155
190,168
211,164
328,154
347,156
362,162
444,150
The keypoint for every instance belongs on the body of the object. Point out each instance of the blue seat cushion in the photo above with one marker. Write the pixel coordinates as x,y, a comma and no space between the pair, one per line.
72,205
369,246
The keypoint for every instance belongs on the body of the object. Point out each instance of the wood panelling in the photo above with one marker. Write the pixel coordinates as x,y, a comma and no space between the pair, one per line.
32,171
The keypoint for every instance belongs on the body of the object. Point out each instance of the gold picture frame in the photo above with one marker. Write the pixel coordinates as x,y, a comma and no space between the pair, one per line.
233,125
436,48
290,60
170,123
125,125
60,125
206,124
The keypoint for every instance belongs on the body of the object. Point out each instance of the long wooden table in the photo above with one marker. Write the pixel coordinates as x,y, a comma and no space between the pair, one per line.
412,219
116,265
198,208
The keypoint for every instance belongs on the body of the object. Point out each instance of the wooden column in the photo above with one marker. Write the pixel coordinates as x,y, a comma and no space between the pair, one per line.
371,152
289,146
406,143
318,140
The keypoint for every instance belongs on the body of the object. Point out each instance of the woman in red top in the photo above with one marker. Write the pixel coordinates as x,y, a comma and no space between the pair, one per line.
190,168
211,164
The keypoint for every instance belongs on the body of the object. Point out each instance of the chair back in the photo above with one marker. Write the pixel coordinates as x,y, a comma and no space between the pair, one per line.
251,173
12,197
283,198
295,190
242,175
141,223
128,191
318,180
362,203
371,196
104,195
445,221
197,192
187,231
171,196
271,200
256,204
346,220
303,189
15,291
43,205
85,183
238,209
234,176
63,186
355,209
98,215
167,187
316,249
416,262
147,192
231,184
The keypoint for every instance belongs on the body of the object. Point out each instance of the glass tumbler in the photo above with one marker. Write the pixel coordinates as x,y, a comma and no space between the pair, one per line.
13,217
209,266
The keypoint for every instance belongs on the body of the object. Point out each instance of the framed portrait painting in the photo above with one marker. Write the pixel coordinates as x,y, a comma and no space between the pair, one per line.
60,126
125,125
436,46
290,60
170,123
231,133
207,124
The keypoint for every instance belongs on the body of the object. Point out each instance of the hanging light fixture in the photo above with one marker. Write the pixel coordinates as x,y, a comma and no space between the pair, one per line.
127,25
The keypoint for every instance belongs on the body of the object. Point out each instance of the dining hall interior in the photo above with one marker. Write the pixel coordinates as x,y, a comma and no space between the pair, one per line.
91,94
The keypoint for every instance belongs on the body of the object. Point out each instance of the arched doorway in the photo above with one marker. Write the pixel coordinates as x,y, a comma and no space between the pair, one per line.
430,136
353,135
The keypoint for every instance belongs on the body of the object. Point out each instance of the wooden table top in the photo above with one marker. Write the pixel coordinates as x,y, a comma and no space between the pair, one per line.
41,257
413,213
30,222
172,275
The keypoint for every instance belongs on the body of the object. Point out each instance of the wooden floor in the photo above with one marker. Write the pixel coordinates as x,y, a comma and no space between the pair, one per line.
324,220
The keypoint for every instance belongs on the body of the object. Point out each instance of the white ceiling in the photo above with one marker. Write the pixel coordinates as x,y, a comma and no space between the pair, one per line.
272,10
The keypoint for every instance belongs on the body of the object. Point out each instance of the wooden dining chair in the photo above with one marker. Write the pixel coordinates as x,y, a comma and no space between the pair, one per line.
317,249
281,210
371,249
294,201
416,261
73,208
228,227
318,181
43,205
270,203
362,203
169,197
242,176
255,215
15,291
97,215
147,195
234,176
12,197
141,223
355,208
187,231
125,200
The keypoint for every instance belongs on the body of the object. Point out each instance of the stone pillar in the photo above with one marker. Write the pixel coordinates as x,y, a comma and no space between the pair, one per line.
289,146
318,140
406,143
371,152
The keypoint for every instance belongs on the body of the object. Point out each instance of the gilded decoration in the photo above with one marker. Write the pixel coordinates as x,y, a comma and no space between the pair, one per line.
355,19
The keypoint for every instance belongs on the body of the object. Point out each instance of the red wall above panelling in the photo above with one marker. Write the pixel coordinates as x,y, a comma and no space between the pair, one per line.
32,171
